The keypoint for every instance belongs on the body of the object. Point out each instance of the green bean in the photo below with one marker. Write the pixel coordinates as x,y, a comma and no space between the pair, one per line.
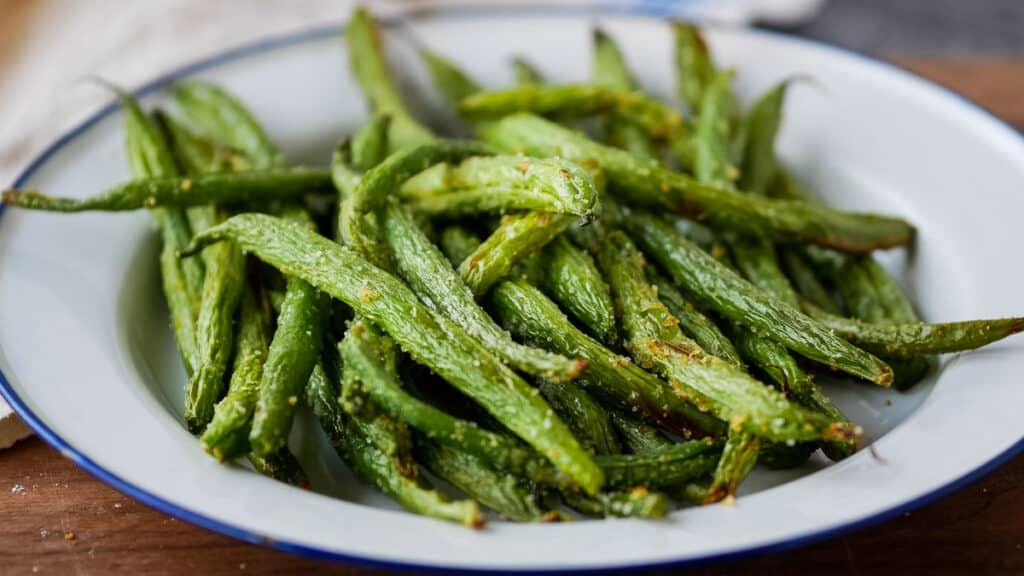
432,340
897,306
902,340
584,416
659,121
359,226
648,184
720,289
909,371
502,184
692,321
759,164
198,155
293,353
529,315
713,133
637,436
525,72
806,282
181,282
694,68
754,257
234,188
506,495
517,237
369,64
636,503
453,83
666,468
227,435
222,290
567,273
738,458
180,305
227,120
434,280
458,243
654,339
570,276
609,69
757,261
373,451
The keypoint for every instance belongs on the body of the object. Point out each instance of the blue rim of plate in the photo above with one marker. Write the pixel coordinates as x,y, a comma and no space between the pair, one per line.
648,8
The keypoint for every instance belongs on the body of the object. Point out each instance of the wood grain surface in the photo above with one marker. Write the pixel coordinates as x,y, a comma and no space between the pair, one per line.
56,519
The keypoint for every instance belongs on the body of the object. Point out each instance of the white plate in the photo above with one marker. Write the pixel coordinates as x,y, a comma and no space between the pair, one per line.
88,361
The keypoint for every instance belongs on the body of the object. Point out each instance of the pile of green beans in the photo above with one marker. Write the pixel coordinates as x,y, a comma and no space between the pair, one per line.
614,316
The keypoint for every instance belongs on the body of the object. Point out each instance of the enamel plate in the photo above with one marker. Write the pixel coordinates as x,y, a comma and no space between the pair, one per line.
88,359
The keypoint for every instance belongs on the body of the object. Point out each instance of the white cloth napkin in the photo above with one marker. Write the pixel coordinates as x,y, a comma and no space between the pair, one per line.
49,47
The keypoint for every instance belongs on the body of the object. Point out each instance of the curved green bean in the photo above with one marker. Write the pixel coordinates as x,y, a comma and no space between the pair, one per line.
517,237
359,226
902,340
226,189
502,184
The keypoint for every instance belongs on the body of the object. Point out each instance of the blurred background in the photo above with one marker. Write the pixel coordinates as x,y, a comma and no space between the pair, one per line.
48,47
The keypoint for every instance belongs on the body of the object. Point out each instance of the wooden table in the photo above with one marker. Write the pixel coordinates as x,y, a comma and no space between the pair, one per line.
56,519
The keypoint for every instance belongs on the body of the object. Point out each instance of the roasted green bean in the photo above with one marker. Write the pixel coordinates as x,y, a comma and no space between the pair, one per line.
369,65
224,189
